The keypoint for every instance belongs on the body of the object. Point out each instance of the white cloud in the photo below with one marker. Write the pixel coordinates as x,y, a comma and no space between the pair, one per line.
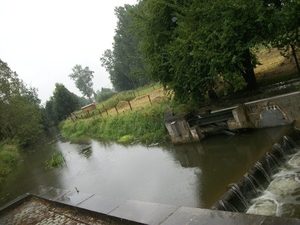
43,40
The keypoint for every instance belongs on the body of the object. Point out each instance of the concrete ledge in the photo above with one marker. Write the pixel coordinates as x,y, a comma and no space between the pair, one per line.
138,212
15,203
191,216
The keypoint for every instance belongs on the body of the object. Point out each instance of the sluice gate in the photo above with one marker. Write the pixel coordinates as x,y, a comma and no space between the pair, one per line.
280,110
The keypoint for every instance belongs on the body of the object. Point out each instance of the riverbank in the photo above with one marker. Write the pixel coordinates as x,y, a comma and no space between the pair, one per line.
143,126
9,159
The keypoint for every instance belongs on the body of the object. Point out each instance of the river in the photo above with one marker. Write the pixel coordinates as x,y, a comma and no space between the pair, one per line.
194,175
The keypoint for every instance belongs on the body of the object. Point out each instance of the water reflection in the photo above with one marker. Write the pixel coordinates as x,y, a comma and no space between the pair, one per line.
135,172
194,175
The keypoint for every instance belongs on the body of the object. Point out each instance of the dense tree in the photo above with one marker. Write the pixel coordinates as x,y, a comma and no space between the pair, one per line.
118,78
83,80
23,119
287,30
50,112
20,115
104,94
64,102
155,23
124,63
192,45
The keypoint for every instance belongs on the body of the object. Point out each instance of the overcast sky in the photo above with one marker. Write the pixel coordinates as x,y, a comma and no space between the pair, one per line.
43,40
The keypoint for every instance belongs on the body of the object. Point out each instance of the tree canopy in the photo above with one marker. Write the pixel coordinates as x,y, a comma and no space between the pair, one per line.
83,80
194,46
63,103
20,114
124,63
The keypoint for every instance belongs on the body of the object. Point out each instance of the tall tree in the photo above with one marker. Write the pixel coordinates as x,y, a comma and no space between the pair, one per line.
125,63
286,36
83,80
50,112
191,57
64,102
20,115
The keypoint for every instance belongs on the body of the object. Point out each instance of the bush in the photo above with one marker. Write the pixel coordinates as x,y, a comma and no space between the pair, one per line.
9,159
104,96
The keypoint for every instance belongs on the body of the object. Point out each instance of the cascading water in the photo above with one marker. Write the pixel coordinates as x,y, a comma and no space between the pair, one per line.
271,186
282,197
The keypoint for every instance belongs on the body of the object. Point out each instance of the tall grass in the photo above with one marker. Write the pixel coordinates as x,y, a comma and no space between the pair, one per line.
145,126
9,158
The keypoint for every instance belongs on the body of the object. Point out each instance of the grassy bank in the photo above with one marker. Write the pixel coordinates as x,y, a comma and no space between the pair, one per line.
9,159
145,126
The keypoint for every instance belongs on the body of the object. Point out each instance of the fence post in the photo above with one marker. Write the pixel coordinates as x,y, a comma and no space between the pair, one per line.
149,99
116,109
105,109
129,105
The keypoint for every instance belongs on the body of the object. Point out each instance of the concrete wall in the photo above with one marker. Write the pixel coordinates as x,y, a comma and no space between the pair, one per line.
280,110
277,111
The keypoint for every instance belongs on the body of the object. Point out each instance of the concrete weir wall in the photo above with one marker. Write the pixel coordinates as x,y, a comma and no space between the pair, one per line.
122,211
280,110
240,194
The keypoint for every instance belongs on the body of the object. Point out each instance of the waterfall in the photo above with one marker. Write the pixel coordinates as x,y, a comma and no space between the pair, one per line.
240,195
260,168
226,206
250,179
258,178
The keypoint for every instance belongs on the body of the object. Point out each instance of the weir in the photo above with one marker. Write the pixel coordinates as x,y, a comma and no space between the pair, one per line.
280,110
238,198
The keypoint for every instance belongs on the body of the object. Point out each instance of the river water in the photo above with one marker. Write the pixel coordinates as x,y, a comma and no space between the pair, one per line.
194,175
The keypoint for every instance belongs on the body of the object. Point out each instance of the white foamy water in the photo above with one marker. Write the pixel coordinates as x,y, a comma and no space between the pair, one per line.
282,197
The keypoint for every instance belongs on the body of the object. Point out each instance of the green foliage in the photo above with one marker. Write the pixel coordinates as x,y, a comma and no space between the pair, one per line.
191,59
286,35
57,160
24,119
125,63
83,80
20,114
135,124
286,29
51,114
9,158
105,96
116,98
64,102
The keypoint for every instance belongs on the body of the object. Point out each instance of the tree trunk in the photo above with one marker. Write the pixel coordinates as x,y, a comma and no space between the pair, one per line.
248,73
295,57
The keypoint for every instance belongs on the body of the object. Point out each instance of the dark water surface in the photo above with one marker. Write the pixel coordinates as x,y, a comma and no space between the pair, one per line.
194,175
